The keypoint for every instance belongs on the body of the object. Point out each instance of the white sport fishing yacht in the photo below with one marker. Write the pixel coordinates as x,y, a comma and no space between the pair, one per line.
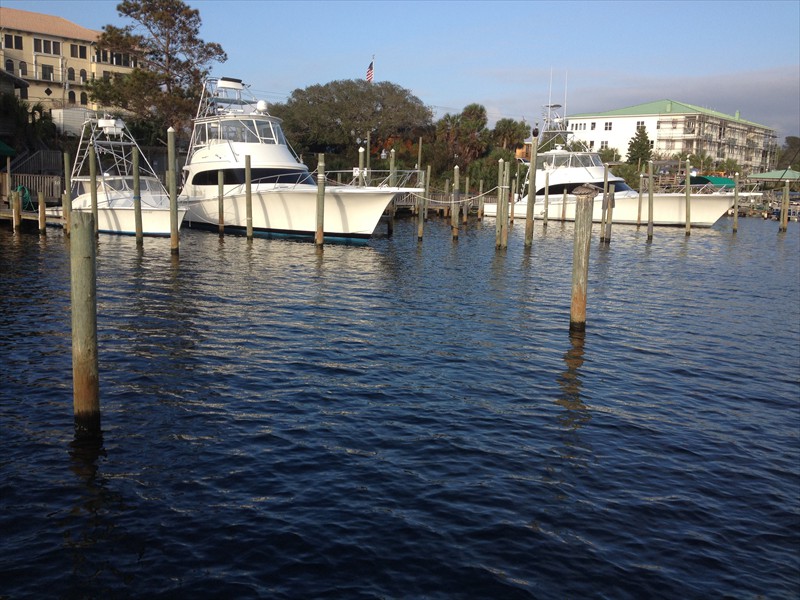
559,171
230,125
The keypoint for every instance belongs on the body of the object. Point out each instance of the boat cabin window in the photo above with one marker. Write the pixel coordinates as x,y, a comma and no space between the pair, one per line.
236,177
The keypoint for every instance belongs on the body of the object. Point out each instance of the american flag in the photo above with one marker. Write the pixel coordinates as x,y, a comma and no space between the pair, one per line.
370,71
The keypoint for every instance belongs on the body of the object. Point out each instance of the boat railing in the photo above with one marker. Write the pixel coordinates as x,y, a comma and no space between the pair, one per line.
375,178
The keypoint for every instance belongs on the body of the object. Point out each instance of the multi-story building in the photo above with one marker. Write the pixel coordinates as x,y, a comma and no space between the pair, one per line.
55,57
675,128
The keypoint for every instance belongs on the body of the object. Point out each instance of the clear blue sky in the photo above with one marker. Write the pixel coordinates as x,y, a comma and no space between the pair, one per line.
511,57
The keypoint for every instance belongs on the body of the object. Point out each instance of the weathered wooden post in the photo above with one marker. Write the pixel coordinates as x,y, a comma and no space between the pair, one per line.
85,379
610,213
422,208
137,197
506,204
465,208
16,210
688,200
173,192
248,195
454,205
546,198
784,222
42,216
564,206
480,200
427,190
650,200
319,236
735,202
498,226
66,198
220,201
392,183
639,212
604,206
93,184
584,206
531,188
361,173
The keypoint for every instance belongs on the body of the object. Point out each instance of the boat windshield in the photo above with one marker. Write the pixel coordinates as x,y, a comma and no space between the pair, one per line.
248,131
568,159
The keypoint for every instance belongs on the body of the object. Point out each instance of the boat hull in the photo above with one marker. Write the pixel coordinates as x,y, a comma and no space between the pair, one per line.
668,209
122,219
348,212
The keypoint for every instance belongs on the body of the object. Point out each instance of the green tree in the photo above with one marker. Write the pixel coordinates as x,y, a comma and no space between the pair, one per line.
171,63
331,118
510,134
789,154
639,150
609,155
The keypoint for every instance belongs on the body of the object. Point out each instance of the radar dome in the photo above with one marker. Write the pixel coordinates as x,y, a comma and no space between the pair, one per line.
261,106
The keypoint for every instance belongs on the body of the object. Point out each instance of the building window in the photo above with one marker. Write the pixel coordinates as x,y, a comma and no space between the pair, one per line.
71,74
71,97
608,126
13,42
83,75
84,98
591,145
9,65
639,124
77,51
593,124
603,145
23,68
47,72
46,47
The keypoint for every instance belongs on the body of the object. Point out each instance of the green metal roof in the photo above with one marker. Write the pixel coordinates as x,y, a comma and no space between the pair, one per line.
778,175
664,107
6,150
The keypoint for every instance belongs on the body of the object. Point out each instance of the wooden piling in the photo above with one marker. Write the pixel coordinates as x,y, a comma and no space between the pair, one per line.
392,183
584,206
248,195
499,211
93,185
86,387
604,205
609,213
784,222
422,207
735,202
319,236
454,204
16,206
66,198
546,198
137,197
506,205
531,190
465,208
42,217
639,212
173,192
650,200
220,204
480,200
688,200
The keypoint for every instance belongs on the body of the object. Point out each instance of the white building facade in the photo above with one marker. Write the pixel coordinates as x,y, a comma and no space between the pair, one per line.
675,128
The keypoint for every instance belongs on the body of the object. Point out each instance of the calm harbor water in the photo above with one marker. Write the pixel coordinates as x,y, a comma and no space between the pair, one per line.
404,420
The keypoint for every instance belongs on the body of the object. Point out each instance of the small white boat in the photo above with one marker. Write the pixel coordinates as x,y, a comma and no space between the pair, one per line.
231,125
113,146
